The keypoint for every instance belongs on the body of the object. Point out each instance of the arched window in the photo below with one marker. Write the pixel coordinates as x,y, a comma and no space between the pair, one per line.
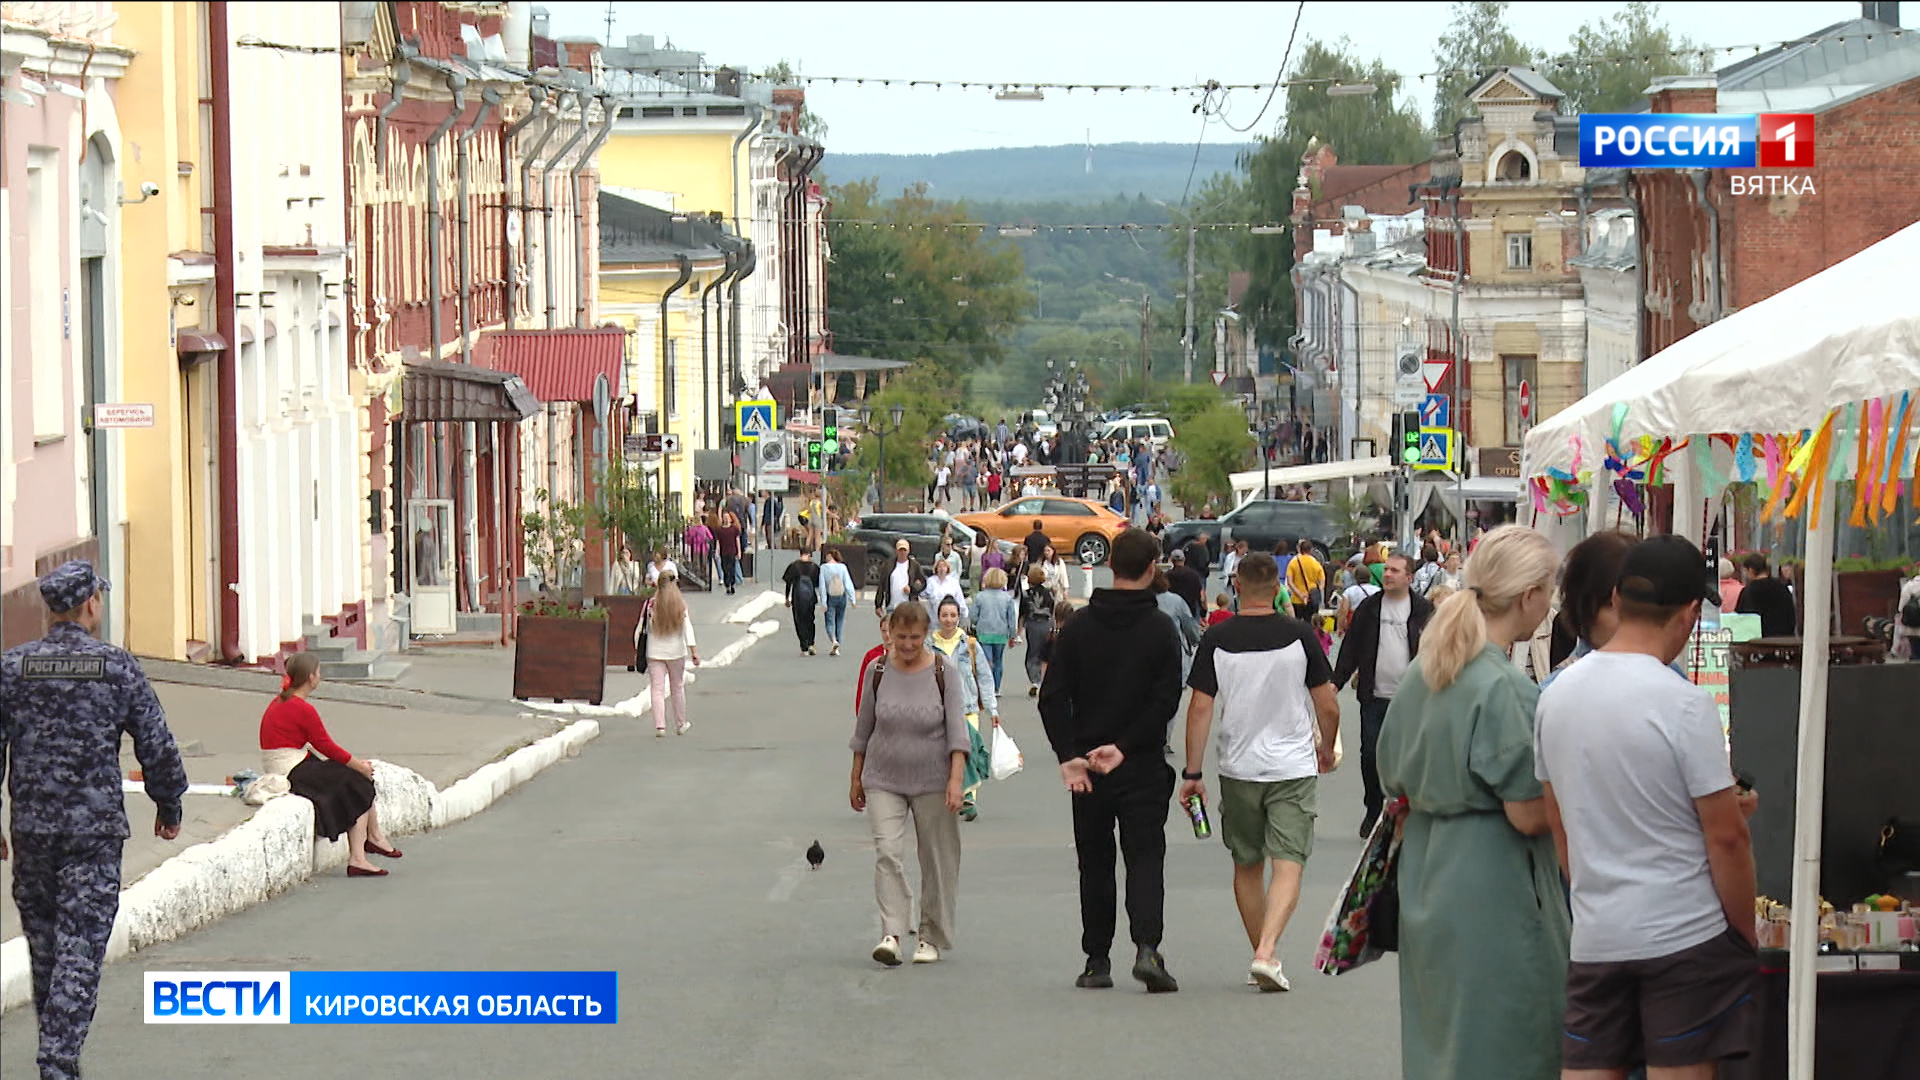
1514,166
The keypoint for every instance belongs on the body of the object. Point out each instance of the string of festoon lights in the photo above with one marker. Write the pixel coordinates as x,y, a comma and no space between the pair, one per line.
1023,230
1021,90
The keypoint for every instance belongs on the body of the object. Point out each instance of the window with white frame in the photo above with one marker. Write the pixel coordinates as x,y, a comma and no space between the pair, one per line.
672,374
46,314
1519,251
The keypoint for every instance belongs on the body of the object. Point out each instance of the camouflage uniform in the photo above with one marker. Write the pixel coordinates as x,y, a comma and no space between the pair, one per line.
65,702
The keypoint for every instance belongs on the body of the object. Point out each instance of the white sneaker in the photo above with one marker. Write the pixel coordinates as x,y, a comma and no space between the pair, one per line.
925,953
1266,975
685,726
888,951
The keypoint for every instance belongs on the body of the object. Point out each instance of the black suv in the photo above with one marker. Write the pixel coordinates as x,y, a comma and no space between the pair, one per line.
922,532
1261,523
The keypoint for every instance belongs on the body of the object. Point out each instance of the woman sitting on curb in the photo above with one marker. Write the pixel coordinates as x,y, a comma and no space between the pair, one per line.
339,785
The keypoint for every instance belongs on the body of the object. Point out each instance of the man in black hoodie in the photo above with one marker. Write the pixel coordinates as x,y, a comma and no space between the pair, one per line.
1112,687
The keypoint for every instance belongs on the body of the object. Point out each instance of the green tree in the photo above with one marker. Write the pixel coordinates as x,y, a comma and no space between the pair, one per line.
1212,445
926,402
1374,129
626,506
910,282
1476,41
556,540
1611,63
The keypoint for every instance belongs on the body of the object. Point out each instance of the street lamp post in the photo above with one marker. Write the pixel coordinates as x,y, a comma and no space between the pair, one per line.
897,413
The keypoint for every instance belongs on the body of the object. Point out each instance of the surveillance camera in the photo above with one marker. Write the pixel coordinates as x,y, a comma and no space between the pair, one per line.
149,189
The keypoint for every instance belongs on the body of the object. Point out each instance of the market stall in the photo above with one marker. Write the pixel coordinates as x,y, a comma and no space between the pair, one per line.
1809,388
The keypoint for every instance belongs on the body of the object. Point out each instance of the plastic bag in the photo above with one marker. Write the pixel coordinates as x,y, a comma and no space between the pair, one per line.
1006,756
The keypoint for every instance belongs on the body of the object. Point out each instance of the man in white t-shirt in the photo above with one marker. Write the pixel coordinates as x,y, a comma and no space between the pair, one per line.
1653,834
1273,687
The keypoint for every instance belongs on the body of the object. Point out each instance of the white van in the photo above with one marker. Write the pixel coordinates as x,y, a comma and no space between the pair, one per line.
1152,430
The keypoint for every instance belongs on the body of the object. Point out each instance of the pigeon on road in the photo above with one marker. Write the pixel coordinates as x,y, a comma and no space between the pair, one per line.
816,855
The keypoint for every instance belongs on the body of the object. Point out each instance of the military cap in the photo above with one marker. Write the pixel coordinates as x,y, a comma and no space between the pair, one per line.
70,584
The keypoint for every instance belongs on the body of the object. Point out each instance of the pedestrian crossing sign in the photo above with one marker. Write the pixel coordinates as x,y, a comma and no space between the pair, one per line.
1436,450
754,420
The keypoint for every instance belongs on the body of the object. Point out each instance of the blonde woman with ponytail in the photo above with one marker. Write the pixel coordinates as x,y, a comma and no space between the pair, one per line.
1484,924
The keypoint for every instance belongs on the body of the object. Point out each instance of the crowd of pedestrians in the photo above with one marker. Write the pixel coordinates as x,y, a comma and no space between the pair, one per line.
980,471
1574,877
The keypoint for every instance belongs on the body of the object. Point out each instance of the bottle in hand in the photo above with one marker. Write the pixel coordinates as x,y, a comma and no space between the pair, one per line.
1197,810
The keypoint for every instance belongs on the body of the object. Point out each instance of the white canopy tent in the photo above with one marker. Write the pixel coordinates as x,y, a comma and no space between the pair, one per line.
1848,334
1246,485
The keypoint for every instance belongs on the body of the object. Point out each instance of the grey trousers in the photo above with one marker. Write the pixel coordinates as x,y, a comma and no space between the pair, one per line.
938,834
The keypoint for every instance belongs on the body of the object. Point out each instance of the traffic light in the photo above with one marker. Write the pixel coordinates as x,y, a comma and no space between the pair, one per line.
830,430
813,455
1406,436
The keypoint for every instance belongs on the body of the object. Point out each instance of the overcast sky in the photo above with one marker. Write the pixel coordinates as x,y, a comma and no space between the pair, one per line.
1162,43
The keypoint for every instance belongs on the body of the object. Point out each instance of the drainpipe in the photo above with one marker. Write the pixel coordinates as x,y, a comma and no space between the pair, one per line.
754,113
783,228
706,374
666,373
489,97
546,199
402,71
749,260
219,78
539,95
608,113
456,83
1699,178
469,431
1631,188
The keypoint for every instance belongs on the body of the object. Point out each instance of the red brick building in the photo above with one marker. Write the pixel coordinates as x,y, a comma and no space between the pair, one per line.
1774,227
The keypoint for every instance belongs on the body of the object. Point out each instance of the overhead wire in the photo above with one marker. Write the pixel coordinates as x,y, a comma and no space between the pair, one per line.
1561,62
1273,91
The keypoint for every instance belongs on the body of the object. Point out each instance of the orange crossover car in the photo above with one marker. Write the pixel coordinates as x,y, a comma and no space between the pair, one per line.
1079,529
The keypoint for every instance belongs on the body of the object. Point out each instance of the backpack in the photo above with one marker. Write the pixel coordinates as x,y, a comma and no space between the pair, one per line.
939,679
836,585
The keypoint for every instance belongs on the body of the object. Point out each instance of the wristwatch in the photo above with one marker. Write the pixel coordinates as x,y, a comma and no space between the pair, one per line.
1185,775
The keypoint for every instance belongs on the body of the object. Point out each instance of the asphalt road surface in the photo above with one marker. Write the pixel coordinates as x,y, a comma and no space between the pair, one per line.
679,863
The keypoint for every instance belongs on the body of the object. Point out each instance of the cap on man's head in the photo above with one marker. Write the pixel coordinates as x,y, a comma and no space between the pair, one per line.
71,584
1178,556
902,545
1665,571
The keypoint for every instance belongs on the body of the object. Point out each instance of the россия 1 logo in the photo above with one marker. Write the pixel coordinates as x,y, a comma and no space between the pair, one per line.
1704,141
1696,141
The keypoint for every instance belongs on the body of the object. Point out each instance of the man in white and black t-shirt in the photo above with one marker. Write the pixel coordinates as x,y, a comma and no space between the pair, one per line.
1273,686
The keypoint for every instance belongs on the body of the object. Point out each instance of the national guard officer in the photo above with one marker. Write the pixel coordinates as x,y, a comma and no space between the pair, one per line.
65,701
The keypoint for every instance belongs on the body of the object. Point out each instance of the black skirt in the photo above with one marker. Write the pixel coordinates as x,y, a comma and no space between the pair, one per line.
339,794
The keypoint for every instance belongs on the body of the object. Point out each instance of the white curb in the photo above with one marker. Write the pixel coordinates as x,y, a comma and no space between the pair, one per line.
275,849
746,612
732,652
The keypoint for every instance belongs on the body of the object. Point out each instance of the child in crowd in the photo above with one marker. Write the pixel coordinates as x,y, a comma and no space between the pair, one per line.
1222,610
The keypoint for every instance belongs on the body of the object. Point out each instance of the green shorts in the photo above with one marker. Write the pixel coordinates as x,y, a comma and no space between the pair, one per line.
1268,819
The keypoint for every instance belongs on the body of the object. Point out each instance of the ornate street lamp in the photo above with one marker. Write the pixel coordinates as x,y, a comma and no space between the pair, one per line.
897,413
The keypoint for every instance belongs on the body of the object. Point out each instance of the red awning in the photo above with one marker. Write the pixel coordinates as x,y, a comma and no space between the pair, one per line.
557,365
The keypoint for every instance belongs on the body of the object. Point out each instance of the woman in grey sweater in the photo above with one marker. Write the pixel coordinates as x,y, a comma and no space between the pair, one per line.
910,744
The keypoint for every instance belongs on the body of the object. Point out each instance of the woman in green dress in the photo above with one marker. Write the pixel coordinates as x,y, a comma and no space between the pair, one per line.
1484,924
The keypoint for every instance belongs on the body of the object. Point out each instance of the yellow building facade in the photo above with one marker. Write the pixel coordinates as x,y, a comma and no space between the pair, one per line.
647,257
673,177
166,300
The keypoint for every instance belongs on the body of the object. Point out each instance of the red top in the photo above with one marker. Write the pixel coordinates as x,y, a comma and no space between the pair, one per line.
866,662
1218,616
292,724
